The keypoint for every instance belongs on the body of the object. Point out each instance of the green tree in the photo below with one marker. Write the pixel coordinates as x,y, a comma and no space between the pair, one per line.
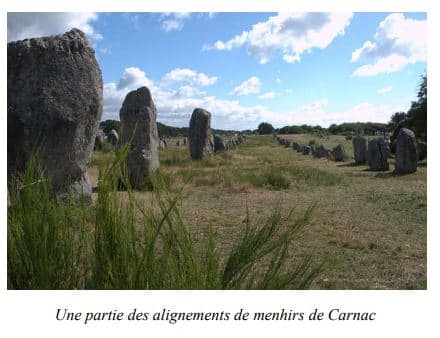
265,128
396,118
417,114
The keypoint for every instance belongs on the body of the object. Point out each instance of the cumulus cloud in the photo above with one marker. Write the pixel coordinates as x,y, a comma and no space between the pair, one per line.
174,21
175,106
188,76
31,25
290,33
247,87
268,96
384,90
398,41
318,113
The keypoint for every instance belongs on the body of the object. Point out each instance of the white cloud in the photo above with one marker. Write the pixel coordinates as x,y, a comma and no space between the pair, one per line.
384,90
247,87
278,80
290,33
174,21
398,41
318,113
176,106
268,96
31,25
188,76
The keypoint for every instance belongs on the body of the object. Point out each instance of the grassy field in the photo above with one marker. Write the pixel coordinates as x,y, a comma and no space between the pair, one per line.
371,225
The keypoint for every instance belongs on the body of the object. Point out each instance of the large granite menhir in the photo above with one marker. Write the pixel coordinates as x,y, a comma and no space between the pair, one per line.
201,141
377,154
54,107
360,149
406,152
139,129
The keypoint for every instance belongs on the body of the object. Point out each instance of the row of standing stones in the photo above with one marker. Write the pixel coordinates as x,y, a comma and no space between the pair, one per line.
55,94
408,152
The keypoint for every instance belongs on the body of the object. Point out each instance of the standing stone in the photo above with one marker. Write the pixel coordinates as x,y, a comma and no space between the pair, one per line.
184,141
406,152
201,141
360,149
219,144
338,153
99,139
113,137
306,150
139,128
54,108
421,150
300,148
295,145
178,143
161,144
377,154
321,151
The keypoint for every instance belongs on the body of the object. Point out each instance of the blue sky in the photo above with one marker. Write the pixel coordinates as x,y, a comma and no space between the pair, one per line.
245,68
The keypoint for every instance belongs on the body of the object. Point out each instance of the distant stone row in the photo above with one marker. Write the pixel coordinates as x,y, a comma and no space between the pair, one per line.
55,94
376,155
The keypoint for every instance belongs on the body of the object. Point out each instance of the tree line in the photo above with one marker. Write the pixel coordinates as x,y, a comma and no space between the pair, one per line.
415,119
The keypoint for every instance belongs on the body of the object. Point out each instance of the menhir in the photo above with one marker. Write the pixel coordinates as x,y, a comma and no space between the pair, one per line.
54,107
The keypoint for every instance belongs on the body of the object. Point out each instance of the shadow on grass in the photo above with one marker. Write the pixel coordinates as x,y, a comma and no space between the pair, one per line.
388,174
352,164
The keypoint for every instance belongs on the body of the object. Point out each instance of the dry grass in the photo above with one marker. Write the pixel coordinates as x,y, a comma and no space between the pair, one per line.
372,224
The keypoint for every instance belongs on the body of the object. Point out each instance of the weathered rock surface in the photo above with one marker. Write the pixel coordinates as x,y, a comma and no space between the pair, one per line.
201,141
421,150
139,129
406,152
377,154
99,139
338,153
54,107
295,145
360,149
321,151
306,150
219,144
113,137
162,144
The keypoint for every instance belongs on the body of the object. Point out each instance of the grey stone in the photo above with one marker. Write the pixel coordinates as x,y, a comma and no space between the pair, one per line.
295,145
99,139
219,144
162,144
421,150
54,106
360,149
306,150
377,154
201,141
321,151
113,137
338,153
139,130
406,152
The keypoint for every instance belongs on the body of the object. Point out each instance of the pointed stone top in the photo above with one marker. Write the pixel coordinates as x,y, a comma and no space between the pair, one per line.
138,97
